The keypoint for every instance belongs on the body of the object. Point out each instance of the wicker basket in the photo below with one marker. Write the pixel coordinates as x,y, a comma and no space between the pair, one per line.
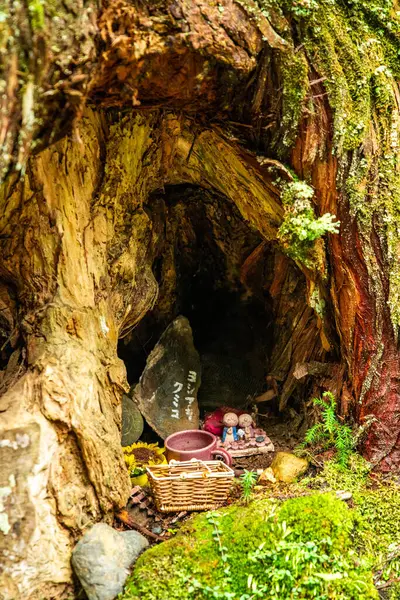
192,485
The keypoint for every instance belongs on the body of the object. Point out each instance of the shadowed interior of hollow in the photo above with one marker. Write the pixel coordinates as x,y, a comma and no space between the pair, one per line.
205,244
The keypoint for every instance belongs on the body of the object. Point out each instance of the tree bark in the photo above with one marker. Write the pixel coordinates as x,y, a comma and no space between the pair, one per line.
230,97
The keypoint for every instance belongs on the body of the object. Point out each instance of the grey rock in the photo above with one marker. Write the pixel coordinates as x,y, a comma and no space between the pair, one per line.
132,422
167,391
102,559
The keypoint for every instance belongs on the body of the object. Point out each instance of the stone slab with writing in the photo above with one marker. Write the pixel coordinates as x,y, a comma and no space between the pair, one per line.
167,391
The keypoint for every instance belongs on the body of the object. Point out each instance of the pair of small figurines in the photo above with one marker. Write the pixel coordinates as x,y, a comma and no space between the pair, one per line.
237,428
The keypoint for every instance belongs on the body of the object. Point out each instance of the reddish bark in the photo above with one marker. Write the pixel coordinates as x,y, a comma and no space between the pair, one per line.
368,344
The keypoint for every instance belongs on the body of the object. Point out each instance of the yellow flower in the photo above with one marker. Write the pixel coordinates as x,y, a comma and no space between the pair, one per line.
140,455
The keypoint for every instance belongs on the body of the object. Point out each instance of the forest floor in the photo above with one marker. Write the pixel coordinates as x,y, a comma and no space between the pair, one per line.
334,533
141,513
373,506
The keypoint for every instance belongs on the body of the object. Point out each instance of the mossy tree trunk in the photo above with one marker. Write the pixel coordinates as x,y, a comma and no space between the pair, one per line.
238,97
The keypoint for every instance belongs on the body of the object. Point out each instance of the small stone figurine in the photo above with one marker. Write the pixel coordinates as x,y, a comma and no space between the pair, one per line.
229,435
246,430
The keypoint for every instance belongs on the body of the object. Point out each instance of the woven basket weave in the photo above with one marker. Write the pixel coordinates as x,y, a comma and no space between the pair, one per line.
192,485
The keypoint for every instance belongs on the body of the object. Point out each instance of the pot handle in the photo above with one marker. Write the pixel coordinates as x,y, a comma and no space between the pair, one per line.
221,453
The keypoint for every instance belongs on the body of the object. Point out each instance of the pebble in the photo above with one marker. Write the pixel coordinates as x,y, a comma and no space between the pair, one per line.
343,495
287,467
157,529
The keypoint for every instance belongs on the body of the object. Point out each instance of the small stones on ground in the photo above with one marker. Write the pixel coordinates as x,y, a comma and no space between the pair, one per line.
157,529
343,495
102,559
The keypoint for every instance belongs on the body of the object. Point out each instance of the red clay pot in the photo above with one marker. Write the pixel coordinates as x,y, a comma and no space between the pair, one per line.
185,445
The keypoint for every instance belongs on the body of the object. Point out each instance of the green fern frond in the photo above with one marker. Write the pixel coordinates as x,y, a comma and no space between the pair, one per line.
344,439
330,431
330,399
329,419
314,435
319,402
343,444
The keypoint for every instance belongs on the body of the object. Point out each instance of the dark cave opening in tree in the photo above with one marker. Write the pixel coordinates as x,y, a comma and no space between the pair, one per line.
205,271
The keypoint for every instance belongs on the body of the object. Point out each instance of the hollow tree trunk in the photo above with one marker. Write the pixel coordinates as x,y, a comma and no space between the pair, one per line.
187,92
77,253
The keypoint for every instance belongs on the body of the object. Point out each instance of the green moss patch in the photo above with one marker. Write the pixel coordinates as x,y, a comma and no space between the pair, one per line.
376,512
297,549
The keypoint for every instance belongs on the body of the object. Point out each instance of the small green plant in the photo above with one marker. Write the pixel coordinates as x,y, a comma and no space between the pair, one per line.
299,569
330,431
300,227
216,592
247,481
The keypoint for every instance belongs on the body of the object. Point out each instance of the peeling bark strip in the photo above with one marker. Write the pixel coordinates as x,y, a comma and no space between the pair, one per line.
77,243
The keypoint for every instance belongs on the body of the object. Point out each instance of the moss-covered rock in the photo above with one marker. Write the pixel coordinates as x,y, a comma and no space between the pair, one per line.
376,510
297,549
